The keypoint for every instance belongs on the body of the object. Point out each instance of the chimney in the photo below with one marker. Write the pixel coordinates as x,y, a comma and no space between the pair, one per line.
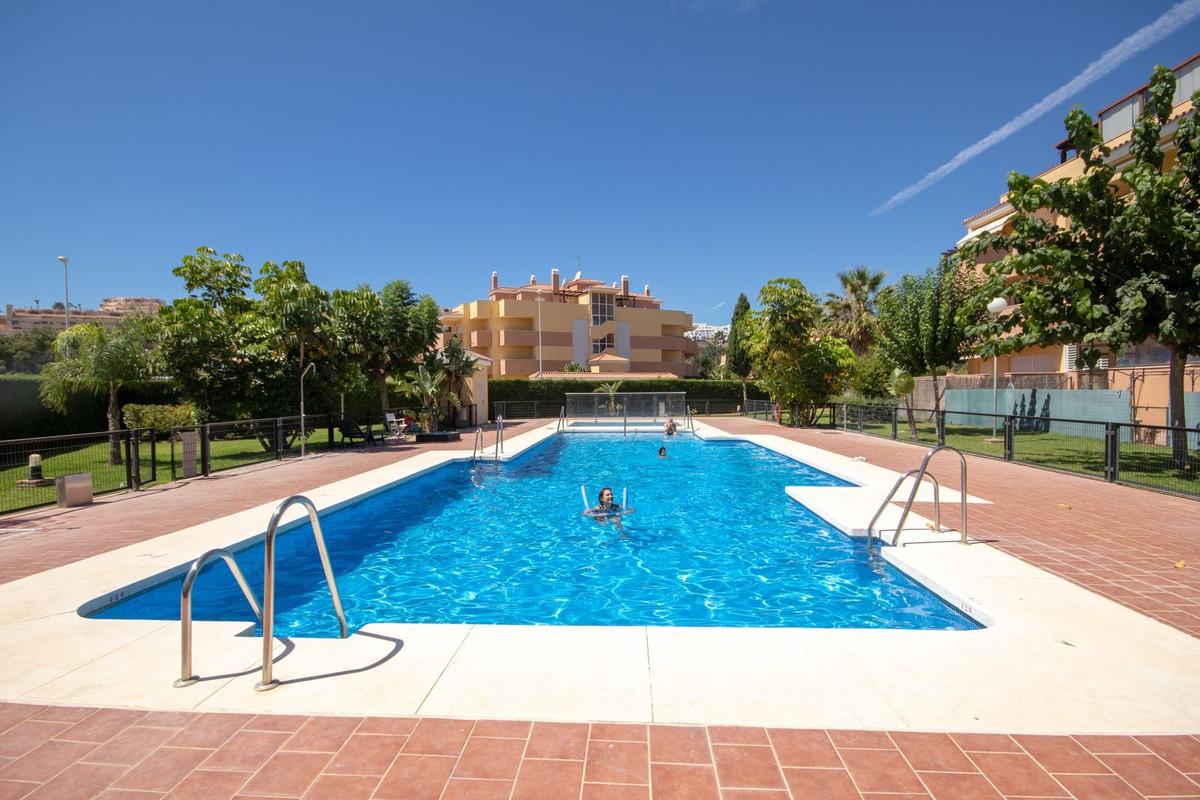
646,291
532,279
625,285
495,280
554,279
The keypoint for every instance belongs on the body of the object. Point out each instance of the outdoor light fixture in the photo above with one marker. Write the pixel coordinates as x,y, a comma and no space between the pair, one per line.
995,307
66,294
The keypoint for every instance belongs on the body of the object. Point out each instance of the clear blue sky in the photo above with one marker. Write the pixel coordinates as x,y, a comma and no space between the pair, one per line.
702,146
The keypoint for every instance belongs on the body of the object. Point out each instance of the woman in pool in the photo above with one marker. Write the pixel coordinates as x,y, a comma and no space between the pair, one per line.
662,452
607,509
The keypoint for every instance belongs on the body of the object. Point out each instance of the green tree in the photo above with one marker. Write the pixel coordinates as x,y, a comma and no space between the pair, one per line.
298,312
922,323
799,368
609,388
737,353
851,314
427,385
95,360
458,364
27,351
710,354
1119,268
871,376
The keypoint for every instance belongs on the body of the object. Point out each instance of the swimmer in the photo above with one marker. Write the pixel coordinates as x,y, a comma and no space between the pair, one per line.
662,452
669,428
605,508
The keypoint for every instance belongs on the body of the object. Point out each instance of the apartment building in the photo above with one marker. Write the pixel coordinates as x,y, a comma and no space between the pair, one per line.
537,329
112,310
1141,369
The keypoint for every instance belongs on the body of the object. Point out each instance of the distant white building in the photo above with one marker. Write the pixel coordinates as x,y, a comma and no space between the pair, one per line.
702,331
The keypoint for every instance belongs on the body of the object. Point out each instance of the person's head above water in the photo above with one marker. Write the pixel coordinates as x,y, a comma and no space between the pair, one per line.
662,452
606,496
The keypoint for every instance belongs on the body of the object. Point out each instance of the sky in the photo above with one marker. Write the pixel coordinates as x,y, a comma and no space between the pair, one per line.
701,146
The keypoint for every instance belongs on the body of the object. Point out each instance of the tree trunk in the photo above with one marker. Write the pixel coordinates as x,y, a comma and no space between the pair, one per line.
745,401
912,420
114,424
937,397
1176,417
381,382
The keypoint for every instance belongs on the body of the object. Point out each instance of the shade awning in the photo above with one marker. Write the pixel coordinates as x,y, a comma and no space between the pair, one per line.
991,227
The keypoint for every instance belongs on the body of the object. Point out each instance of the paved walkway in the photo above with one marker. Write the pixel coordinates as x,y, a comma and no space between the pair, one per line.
62,752
1118,541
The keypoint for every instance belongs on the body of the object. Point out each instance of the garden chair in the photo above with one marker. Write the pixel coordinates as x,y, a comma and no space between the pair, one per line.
349,429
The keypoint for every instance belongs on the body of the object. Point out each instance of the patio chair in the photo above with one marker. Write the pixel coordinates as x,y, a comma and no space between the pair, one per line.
349,429
394,426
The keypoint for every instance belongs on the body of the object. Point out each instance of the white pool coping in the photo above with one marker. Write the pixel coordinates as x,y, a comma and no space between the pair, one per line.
1054,657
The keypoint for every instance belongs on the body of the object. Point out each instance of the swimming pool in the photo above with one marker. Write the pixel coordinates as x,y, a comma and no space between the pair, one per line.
714,541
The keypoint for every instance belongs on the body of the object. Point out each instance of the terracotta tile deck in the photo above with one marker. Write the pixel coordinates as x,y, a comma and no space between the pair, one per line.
1063,524
216,757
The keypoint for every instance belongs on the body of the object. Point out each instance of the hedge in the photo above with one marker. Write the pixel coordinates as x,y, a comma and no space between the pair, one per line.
515,389
22,414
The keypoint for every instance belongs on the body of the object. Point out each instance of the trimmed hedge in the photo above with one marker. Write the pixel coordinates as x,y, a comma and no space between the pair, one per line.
515,389
22,414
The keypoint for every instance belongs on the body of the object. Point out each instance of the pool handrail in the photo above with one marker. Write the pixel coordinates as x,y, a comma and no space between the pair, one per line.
937,504
477,445
912,495
268,609
186,677
562,419
499,437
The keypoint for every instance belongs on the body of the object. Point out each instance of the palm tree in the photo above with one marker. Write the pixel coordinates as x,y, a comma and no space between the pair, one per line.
89,359
428,386
458,364
851,315
611,388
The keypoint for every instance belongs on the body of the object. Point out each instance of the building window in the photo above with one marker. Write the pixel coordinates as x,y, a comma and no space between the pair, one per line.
602,308
603,343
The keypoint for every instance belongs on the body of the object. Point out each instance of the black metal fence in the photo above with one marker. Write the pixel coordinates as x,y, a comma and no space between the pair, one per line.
814,416
1151,456
534,409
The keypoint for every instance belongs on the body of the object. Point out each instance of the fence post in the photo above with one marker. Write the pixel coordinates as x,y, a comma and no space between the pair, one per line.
130,472
153,456
1112,450
205,451
895,423
278,438
941,428
329,428
171,436
1008,437
845,410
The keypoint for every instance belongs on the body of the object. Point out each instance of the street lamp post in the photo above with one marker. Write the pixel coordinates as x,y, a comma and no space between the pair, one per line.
66,294
995,307
540,300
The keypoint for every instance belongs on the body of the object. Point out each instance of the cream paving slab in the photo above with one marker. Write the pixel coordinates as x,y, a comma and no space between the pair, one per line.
547,672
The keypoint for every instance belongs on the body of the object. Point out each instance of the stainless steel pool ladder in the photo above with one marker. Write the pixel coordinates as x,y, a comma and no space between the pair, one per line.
477,447
921,474
268,611
562,419
186,677
499,437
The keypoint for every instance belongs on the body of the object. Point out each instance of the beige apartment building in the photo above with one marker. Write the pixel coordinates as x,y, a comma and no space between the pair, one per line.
1142,369
537,329
112,310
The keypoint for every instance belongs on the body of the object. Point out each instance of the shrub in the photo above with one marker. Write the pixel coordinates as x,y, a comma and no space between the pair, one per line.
159,417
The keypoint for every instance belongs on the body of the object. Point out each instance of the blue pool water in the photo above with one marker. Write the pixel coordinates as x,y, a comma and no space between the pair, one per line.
714,541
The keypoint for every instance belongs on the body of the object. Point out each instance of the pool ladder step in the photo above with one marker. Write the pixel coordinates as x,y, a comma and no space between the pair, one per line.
921,473
267,613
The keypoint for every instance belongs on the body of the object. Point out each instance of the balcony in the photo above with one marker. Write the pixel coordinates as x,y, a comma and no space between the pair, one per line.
480,340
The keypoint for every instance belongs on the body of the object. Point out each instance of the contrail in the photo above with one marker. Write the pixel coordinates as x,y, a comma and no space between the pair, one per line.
1175,18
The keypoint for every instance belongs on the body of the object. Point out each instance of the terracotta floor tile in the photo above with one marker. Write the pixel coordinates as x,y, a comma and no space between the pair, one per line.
759,794
342,787
77,782
102,725
276,722
986,742
683,782
45,761
438,737
246,750
15,790
747,767
209,730
932,751
557,740
816,782
870,739
880,771
959,786
12,713
548,780
25,736
70,714
416,777
1061,754
734,734
619,733
493,759
1017,774
168,719
610,791
1181,752
129,746
323,734
127,794
366,754
1098,787
1110,744
466,789
396,726
206,784
679,744
288,774
803,748
162,769
505,729
1150,775
617,762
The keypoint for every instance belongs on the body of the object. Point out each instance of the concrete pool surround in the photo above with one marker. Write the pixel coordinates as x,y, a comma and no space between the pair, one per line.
1052,657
